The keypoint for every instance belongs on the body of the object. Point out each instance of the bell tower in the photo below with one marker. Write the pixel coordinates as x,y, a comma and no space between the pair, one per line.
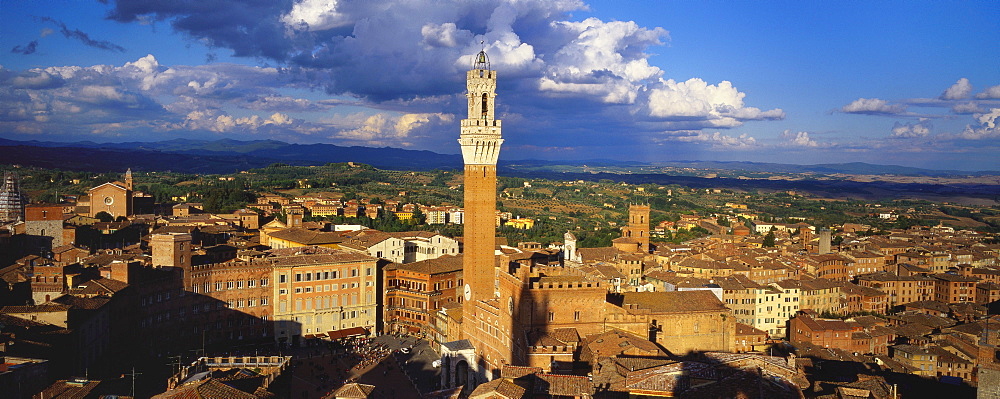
480,141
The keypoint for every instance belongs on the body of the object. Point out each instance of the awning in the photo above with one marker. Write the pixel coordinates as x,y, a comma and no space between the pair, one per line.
348,332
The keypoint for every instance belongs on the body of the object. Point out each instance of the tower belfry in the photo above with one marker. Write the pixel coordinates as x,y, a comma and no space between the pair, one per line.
480,141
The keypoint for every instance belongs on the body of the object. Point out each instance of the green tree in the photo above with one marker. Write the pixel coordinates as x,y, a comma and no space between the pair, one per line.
104,217
769,239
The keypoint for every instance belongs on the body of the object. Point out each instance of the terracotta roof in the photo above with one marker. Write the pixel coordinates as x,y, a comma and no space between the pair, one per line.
515,372
69,389
81,302
206,389
502,387
617,342
307,237
633,363
353,390
745,329
955,278
443,264
337,257
48,307
563,385
674,302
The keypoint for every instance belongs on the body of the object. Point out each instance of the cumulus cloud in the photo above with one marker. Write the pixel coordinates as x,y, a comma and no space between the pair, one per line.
970,107
37,80
798,139
316,15
367,50
958,91
221,123
911,130
594,62
444,35
719,140
401,59
992,92
386,129
873,106
719,105
987,127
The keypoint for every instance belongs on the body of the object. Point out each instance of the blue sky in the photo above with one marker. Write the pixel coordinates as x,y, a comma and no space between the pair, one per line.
909,83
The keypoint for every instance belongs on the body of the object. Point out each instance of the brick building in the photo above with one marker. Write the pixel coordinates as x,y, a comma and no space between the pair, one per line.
415,291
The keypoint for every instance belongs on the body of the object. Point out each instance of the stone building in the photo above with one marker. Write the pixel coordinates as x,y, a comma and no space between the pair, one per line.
320,293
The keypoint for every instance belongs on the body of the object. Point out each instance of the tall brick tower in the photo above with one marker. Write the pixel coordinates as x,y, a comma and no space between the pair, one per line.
638,225
480,141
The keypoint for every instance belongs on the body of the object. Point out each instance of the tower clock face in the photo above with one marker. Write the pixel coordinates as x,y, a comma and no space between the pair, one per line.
468,292
109,200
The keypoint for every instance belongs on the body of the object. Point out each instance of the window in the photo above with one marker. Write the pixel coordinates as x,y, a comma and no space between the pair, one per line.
263,301
576,315
218,286
354,272
264,281
298,277
552,316
368,271
282,291
239,284
229,285
251,283
282,278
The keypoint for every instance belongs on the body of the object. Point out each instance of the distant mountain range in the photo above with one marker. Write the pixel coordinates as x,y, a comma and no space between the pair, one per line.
228,156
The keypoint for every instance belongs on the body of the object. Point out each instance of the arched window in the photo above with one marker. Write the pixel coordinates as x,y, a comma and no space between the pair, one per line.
486,102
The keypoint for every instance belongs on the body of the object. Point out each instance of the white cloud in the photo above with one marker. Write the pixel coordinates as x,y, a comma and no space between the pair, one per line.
970,107
798,139
600,59
958,91
316,15
987,126
720,105
992,92
444,35
873,106
388,129
911,130
717,139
